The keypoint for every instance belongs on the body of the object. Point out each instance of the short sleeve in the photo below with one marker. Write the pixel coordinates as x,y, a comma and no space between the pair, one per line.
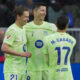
74,42
10,36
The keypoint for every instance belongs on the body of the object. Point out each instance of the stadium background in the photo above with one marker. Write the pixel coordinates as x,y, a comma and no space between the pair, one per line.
55,8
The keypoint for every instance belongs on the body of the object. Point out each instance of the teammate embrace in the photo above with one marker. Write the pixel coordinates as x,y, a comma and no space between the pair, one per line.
46,43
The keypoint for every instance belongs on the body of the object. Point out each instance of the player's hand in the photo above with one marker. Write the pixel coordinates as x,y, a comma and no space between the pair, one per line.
26,54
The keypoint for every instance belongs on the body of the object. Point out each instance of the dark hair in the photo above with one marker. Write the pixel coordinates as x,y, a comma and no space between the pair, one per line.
19,10
11,4
62,21
37,5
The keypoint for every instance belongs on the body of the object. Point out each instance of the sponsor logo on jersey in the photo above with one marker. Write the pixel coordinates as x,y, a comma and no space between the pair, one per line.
39,44
52,42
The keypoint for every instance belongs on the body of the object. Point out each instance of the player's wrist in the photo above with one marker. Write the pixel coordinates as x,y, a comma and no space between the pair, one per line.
21,54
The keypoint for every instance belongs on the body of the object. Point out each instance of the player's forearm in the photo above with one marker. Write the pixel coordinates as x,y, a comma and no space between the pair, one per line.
5,48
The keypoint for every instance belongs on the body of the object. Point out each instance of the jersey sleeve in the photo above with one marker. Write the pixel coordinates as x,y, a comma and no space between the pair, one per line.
10,36
74,41
53,26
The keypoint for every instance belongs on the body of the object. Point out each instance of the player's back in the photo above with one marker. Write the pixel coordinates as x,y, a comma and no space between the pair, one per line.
60,47
35,35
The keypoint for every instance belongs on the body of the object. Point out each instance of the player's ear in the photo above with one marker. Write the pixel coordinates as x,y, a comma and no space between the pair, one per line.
18,17
67,25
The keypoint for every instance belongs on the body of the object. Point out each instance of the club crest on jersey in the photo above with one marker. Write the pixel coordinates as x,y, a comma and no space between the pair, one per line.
39,44
45,33
52,42
8,37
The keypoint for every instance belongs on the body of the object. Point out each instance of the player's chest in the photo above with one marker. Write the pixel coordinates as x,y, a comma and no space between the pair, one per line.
20,36
37,33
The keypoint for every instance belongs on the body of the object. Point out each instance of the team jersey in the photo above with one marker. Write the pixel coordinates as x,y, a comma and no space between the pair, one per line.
35,34
15,37
59,47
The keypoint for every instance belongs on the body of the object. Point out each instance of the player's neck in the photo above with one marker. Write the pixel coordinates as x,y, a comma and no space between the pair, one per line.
62,31
18,24
38,22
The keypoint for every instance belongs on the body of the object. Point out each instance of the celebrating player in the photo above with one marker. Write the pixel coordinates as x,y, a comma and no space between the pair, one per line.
36,31
59,47
14,46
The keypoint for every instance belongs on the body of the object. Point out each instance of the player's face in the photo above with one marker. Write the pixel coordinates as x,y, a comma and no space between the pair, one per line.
24,18
41,12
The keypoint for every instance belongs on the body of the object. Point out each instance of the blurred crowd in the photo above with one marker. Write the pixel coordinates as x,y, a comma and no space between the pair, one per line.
2,57
55,8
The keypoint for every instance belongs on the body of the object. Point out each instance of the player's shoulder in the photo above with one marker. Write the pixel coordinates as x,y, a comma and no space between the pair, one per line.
51,25
71,37
50,36
11,28
29,24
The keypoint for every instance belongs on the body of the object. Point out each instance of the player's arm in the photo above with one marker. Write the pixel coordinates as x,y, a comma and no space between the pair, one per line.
10,37
6,48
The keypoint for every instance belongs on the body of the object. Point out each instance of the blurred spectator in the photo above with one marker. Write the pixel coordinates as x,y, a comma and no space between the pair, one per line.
73,13
71,20
2,17
78,1
9,13
66,2
20,2
54,11
29,4
2,57
3,9
6,13
44,1
35,0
